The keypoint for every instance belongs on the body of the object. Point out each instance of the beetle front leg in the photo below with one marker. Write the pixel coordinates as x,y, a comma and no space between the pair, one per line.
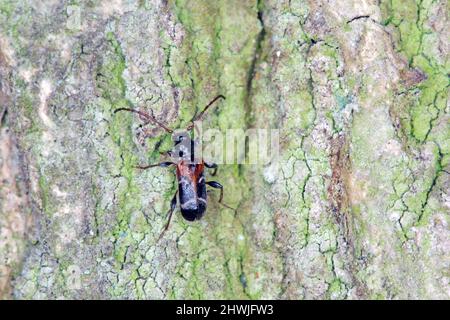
162,164
217,185
212,166
173,204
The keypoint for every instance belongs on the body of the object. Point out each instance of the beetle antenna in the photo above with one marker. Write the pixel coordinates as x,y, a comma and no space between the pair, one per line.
147,116
200,115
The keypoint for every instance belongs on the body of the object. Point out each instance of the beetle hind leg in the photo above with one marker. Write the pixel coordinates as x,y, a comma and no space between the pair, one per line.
173,204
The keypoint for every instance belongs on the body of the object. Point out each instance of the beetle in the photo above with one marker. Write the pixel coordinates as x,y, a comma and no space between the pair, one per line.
190,174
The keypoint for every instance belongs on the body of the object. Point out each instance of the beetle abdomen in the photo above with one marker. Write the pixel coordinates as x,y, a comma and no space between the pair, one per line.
192,214
192,195
191,190
192,208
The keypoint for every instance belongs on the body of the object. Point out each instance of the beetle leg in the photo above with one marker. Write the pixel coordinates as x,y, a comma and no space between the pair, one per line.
212,166
173,204
217,185
162,164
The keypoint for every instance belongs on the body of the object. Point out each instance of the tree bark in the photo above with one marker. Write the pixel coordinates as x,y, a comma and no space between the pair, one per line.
357,205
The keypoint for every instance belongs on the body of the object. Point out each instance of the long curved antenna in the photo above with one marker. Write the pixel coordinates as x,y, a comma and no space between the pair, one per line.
200,115
148,117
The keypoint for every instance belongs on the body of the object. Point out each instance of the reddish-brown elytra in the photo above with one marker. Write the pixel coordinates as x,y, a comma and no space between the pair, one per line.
190,174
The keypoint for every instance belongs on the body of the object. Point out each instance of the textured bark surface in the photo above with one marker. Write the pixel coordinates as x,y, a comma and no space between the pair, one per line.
358,209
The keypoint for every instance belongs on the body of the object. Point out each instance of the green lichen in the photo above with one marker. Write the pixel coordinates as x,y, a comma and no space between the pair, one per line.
421,114
113,91
410,19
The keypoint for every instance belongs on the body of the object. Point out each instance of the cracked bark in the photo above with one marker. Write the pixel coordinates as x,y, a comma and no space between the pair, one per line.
356,207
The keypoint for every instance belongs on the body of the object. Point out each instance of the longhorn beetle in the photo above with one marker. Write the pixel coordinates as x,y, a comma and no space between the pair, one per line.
190,175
